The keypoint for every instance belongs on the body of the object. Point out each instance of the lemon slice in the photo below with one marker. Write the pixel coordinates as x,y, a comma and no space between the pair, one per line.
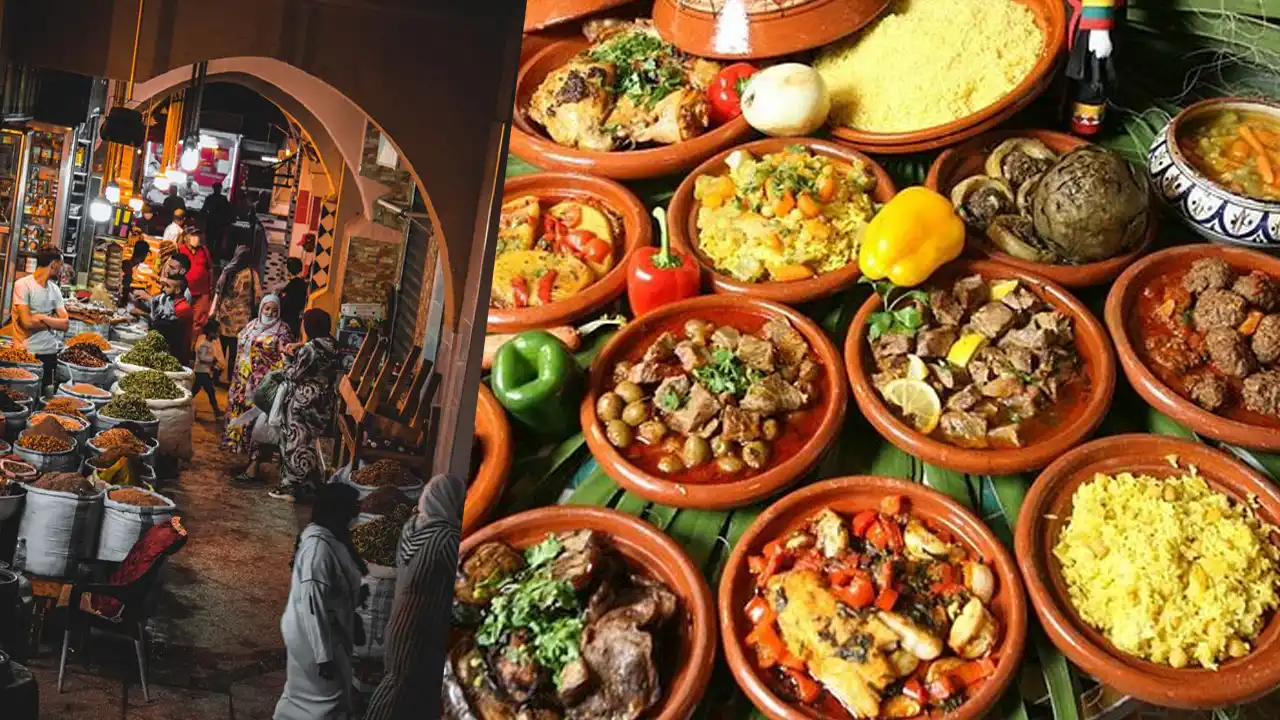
962,350
917,401
916,369
1002,288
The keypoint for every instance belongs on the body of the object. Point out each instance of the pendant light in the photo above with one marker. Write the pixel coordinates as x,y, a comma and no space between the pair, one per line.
99,210
135,203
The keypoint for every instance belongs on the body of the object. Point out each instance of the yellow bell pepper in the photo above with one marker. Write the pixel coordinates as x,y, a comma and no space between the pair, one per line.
913,235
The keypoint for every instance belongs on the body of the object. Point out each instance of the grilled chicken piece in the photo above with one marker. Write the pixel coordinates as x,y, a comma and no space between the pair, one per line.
916,639
975,631
682,115
572,104
924,545
832,534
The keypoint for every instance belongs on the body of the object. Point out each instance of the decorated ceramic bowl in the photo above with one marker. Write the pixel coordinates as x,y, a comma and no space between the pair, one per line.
1212,210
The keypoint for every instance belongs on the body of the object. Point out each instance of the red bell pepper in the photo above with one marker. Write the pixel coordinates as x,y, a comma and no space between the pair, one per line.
806,689
888,597
520,291
586,244
884,575
942,688
914,689
545,284
863,521
757,609
974,672
859,594
659,276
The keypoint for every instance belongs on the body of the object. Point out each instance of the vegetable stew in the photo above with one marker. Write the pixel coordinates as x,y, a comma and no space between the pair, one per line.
1237,150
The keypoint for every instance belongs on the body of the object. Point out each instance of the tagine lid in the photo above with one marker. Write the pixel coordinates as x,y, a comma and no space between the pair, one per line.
753,29
543,14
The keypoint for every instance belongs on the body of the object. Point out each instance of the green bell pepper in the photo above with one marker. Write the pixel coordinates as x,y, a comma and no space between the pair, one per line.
538,381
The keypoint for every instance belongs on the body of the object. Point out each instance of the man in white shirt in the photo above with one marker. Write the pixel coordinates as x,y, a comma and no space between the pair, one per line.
173,232
39,312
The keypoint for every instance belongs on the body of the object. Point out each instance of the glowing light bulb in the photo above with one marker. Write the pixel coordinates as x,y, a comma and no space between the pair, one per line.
99,210
190,159
136,204
112,192
162,182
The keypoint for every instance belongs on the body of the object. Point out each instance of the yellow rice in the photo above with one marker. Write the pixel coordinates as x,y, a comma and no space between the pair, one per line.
1169,570
929,62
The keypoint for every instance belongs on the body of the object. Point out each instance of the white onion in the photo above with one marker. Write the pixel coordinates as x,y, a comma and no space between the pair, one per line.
786,100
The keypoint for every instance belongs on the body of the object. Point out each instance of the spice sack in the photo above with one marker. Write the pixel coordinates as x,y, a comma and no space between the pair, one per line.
57,531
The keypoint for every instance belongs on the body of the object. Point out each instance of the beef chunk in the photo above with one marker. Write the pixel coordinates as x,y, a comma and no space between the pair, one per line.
621,655
1020,358
947,375
647,372
518,673
1005,436
1002,387
725,338
790,343
1208,274
692,355
1229,352
1173,353
946,309
662,349
740,425
677,386
1024,404
771,395
1208,391
1219,309
808,371
756,353
1022,300
965,399
992,319
1266,340
935,342
971,292
1261,392
622,371
964,429
1044,330
889,348
583,557
698,409
483,566
574,683
1259,289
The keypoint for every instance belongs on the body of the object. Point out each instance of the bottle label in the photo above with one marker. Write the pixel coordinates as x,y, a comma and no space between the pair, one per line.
1086,118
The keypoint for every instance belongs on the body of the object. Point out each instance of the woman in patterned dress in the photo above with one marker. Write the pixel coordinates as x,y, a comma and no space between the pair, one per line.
311,377
262,345
234,300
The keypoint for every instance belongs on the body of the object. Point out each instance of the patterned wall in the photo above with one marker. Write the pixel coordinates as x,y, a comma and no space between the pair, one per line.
324,244
371,268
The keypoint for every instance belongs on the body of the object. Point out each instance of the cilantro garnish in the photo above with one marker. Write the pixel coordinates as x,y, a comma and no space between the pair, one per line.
894,320
726,373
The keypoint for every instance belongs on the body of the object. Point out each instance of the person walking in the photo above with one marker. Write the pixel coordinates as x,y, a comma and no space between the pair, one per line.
320,622
217,218
293,296
209,360
311,377
418,631
39,311
199,275
234,302
261,350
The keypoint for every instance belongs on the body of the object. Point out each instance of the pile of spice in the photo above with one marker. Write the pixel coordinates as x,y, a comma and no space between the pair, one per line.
134,496
69,424
385,501
150,385
66,482
121,439
13,373
17,355
92,339
152,352
84,356
65,406
17,470
9,405
376,541
128,407
16,395
87,389
44,443
382,474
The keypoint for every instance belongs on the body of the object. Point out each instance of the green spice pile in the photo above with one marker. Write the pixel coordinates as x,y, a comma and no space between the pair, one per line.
152,352
68,483
84,356
376,541
128,407
150,385
382,474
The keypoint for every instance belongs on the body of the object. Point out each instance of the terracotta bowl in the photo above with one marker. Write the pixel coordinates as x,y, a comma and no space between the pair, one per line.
647,548
760,29
542,14
1091,342
637,228
531,144
966,160
493,433
637,334
683,223
1046,510
1120,311
1051,17
850,495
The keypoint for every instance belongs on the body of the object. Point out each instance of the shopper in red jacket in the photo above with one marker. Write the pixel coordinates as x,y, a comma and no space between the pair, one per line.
199,277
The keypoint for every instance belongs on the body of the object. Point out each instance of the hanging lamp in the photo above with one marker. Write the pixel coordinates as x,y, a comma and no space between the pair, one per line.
124,125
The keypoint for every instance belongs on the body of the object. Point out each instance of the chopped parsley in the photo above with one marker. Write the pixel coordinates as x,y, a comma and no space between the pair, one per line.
726,373
670,400
647,68
894,320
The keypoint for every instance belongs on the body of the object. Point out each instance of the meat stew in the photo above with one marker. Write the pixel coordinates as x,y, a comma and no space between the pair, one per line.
979,363
877,614
1212,333
706,402
562,629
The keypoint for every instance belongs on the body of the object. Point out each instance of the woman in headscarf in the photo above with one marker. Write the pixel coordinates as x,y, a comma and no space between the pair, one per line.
417,632
312,378
137,257
262,344
320,623
234,300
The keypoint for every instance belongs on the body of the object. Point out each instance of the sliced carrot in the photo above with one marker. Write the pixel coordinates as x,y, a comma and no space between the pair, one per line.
972,673
792,272
785,205
863,522
888,597
1264,163
1268,138
808,207
1250,324
1239,151
827,189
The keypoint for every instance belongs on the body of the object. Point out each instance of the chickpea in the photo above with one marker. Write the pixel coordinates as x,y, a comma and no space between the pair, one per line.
696,451
755,454
629,392
609,406
619,433
698,331
729,464
771,429
635,413
670,464
652,432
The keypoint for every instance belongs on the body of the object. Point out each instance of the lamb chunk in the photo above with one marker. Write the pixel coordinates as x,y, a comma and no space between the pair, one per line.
725,338
647,372
1259,289
1209,273
574,683
979,371
809,371
1229,352
965,399
677,385
1022,300
1173,353
790,343
964,429
698,409
972,292
692,356
1005,436
1208,391
771,395
583,556
518,673
756,353
622,371
890,348
935,343
1023,404
1266,340
740,425
662,349
946,309
1261,392
992,319
1022,359
1219,309
948,376
1002,387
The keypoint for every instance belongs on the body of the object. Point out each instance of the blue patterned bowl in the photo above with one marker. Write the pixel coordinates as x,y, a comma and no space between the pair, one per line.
1215,213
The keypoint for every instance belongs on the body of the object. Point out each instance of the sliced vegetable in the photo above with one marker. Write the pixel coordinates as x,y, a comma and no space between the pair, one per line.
887,599
806,689
1002,288
863,522
974,672
545,284
860,593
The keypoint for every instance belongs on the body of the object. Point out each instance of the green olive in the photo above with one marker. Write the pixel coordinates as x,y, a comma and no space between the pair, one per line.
609,406
729,464
619,433
698,330
652,432
635,413
629,392
670,464
755,454
771,429
721,446
696,451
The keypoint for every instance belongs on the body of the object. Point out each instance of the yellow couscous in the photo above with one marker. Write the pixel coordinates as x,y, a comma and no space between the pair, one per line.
1169,570
930,62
